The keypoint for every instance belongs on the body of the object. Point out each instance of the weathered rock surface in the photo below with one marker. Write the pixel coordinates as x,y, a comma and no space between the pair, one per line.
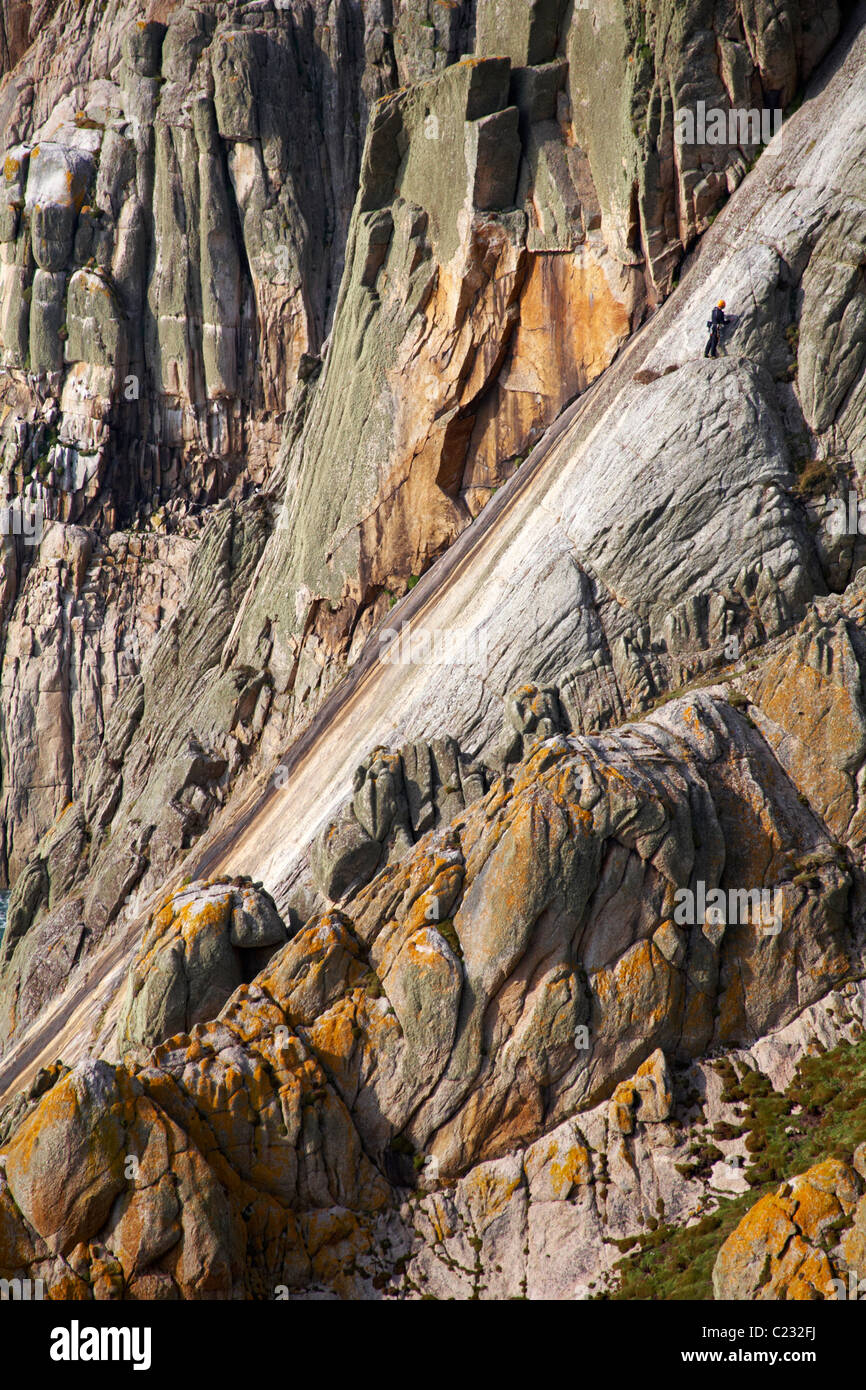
169,257
779,1251
513,970
83,625
199,948
607,651
668,530
479,1054
634,68
84,870
476,228
169,265
445,299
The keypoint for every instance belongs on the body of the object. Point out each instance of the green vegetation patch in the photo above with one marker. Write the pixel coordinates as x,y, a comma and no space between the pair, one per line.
821,1115
815,477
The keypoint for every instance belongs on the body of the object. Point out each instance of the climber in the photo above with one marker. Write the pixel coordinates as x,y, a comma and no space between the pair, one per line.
717,322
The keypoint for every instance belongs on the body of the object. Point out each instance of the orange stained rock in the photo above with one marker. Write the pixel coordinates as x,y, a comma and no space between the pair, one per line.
575,1170
335,1034
547,368
68,1288
731,1019
815,1274
767,1226
57,1133
822,1194
489,1191
637,985
326,1227
776,1250
823,718
438,1211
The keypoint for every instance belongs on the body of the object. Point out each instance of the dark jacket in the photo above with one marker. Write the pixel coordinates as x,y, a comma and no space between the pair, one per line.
717,319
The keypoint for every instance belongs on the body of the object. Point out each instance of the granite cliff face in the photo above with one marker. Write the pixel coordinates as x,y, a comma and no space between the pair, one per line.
173,258
329,330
